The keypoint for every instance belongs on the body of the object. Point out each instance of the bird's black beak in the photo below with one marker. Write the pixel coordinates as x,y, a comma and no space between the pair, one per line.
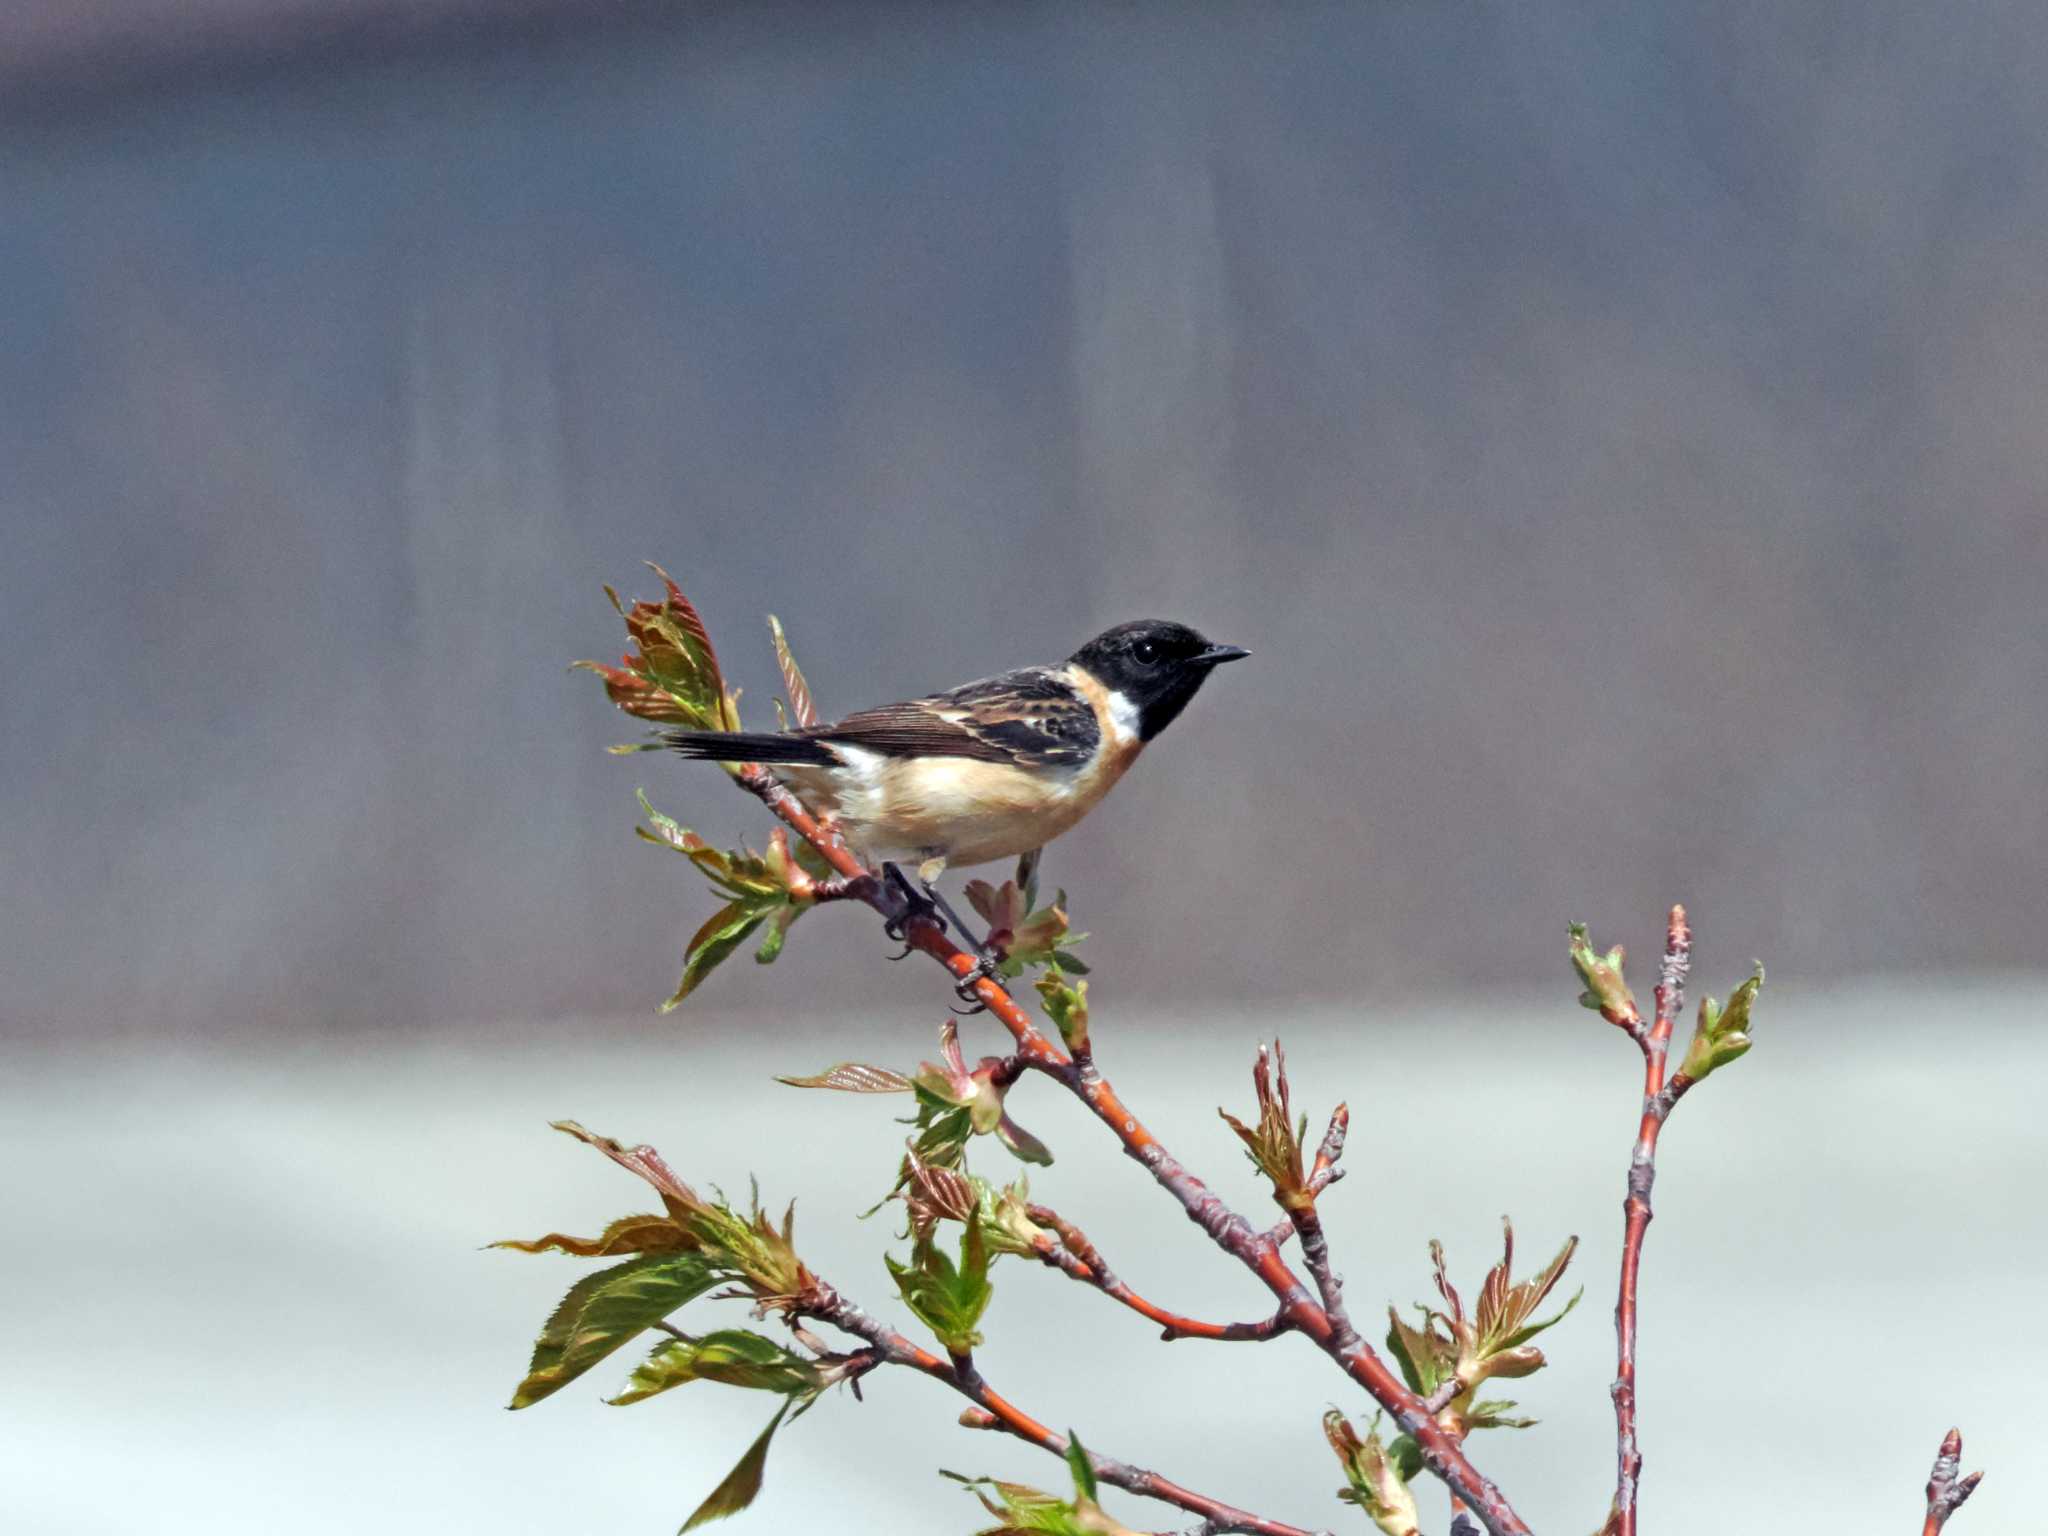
1216,655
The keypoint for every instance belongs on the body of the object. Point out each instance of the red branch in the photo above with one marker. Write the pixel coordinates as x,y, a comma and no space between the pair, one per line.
1945,1491
1074,1255
826,1303
1642,1175
1257,1251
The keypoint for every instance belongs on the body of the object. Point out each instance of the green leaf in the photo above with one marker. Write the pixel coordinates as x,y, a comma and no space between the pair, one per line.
735,1356
946,1297
742,1484
710,946
605,1310
1027,1511
1079,1464
777,934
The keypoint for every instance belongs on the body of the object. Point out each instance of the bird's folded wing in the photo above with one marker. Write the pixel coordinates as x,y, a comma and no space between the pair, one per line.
1033,718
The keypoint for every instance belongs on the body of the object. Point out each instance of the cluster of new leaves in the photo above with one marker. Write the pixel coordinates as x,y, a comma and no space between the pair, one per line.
1720,1034
1021,1510
1606,990
1377,1484
1450,1348
672,1257
671,676
956,1102
1452,1345
1274,1145
776,888
1022,932
949,1291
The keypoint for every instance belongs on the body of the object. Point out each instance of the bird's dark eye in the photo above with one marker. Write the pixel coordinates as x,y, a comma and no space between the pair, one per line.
1145,652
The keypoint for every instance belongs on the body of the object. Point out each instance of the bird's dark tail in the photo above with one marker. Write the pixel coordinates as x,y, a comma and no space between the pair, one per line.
750,747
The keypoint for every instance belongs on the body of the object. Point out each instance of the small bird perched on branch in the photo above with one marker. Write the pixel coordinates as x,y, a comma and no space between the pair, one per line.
992,769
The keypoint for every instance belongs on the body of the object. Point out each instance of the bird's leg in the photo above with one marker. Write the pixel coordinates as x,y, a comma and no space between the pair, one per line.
916,905
987,962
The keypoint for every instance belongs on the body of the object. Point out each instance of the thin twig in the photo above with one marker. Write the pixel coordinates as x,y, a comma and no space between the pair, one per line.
827,1304
1642,1176
1074,1255
1945,1491
1257,1251
1315,1253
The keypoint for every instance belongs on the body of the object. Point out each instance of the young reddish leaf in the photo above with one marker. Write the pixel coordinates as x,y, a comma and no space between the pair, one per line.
853,1077
629,1234
1505,1307
1275,1147
635,695
1023,1146
680,1199
793,683
605,1310
743,1483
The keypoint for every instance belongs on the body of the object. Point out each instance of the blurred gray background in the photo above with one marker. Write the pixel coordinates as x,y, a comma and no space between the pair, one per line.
1617,430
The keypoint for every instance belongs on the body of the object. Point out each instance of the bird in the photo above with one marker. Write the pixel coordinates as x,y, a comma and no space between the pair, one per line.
993,769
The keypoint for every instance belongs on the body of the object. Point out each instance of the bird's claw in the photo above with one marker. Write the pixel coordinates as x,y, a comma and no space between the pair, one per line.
967,986
916,905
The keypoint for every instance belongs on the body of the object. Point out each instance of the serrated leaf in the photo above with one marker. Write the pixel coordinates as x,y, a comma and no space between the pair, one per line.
736,1357
629,1234
605,1310
742,1484
853,1077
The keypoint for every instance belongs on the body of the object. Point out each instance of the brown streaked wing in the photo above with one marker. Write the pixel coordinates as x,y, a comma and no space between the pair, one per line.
1031,717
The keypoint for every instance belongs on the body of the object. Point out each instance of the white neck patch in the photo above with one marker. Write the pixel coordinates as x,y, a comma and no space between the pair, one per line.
1123,717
